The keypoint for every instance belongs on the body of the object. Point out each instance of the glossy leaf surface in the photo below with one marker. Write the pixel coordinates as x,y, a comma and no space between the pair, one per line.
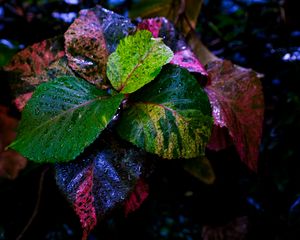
100,180
170,117
237,99
137,61
62,118
91,38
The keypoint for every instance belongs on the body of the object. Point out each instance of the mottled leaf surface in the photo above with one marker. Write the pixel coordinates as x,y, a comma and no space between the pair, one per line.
183,55
236,96
62,118
55,69
28,68
137,61
101,179
170,117
200,168
91,38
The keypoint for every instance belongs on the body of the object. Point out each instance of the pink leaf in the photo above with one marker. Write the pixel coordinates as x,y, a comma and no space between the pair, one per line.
137,197
236,96
183,55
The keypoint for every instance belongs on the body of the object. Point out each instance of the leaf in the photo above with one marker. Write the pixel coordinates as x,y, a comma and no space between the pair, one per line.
54,70
236,96
170,117
62,118
137,197
183,55
100,180
184,13
28,68
91,38
201,169
137,61
11,163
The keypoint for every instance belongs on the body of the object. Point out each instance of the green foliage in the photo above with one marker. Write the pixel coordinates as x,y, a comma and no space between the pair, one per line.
62,118
170,116
137,61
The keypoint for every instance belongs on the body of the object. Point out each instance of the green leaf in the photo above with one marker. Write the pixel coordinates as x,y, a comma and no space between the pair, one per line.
170,116
201,169
137,61
62,118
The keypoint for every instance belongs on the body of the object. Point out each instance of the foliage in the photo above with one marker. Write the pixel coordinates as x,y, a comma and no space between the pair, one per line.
135,87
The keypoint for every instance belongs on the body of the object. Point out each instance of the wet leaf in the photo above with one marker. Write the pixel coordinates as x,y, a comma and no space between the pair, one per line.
200,168
183,55
100,180
236,96
28,68
62,118
11,162
137,61
91,38
183,13
170,117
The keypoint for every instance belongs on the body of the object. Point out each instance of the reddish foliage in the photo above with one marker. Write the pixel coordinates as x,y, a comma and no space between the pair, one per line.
183,57
11,163
84,204
86,47
236,96
187,59
219,138
101,179
91,38
21,101
151,24
137,197
28,68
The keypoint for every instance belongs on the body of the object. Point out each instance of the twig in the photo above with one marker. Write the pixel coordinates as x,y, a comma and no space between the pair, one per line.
38,201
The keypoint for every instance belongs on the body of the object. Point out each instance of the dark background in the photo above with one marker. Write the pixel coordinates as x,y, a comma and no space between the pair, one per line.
260,34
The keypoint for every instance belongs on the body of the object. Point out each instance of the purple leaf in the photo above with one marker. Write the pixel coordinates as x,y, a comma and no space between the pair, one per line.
100,179
236,96
91,38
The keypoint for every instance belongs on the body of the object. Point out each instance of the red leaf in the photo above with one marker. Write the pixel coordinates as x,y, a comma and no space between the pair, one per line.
91,38
84,204
219,138
11,163
28,68
101,179
183,55
137,197
236,97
